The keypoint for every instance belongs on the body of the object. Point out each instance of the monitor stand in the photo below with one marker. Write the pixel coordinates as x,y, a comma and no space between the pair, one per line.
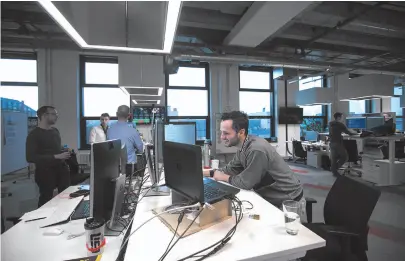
158,191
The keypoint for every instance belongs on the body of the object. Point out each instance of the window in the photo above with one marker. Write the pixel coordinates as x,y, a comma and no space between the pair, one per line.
310,82
99,92
314,116
357,107
314,110
395,107
187,97
257,100
19,88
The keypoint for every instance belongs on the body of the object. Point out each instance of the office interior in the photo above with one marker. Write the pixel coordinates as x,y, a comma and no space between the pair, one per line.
257,57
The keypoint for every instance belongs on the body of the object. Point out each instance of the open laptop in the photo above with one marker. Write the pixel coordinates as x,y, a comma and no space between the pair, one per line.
184,174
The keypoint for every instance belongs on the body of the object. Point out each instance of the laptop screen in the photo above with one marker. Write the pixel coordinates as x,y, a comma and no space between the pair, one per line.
183,169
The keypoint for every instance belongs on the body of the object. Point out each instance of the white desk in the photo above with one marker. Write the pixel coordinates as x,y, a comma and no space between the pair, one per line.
391,172
26,241
264,239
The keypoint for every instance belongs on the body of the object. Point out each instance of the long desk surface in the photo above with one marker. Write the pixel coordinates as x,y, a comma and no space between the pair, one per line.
26,241
264,239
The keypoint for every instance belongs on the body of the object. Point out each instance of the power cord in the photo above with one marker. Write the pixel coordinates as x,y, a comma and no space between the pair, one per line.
179,219
181,236
155,216
221,243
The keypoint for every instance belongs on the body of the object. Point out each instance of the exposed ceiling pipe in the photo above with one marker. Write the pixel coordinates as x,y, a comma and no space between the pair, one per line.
279,63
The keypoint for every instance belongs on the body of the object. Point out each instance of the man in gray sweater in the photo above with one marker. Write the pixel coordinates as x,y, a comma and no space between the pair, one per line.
256,165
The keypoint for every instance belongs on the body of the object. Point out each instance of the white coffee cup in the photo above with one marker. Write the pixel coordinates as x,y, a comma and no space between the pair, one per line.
214,164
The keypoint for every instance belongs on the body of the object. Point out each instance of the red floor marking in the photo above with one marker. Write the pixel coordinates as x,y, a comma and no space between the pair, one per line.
299,171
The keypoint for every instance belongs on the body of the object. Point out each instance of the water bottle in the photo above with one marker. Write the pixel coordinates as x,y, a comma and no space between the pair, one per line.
206,154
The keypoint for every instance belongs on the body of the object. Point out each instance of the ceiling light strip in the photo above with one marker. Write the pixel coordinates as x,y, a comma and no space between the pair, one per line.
172,18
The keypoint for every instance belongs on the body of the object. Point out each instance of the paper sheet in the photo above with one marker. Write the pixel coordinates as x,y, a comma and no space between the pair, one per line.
38,214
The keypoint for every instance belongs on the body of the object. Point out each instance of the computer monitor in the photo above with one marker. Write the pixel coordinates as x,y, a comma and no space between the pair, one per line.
356,123
105,161
181,132
311,136
156,160
374,122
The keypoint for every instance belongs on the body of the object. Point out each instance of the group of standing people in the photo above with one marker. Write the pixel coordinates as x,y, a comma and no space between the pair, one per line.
44,148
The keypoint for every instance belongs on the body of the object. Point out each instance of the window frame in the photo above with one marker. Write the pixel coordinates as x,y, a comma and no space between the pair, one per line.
272,96
83,84
403,112
207,88
21,56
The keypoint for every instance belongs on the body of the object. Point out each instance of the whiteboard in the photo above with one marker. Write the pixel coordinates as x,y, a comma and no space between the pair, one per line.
14,131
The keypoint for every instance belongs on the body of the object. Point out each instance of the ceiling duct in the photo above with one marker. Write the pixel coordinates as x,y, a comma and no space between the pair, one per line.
279,62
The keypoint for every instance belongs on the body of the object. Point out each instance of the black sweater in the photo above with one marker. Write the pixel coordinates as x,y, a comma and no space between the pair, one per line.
42,145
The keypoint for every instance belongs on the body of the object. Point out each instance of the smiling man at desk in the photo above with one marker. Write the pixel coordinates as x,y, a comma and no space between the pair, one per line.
256,165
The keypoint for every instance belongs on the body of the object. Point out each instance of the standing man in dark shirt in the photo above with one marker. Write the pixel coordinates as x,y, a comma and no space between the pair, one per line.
338,153
44,148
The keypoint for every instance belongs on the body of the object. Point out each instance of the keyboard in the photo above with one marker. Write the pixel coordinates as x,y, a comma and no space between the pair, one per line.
211,192
82,211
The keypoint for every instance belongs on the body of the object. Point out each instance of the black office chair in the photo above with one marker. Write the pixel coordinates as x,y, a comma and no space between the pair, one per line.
299,152
347,210
399,150
353,157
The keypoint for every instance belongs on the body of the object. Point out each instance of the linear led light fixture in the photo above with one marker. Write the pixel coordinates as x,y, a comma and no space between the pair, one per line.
160,90
157,101
172,17
315,103
370,97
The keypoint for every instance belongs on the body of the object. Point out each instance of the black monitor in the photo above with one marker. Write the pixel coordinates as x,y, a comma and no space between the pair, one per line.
105,161
183,169
290,115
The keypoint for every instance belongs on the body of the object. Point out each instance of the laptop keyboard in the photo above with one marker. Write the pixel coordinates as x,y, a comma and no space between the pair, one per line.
82,211
211,192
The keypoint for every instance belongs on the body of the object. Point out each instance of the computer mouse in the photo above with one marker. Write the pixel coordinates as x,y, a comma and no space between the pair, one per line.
53,231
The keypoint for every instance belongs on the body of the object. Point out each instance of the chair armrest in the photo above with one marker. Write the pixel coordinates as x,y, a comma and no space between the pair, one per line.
309,203
311,200
339,231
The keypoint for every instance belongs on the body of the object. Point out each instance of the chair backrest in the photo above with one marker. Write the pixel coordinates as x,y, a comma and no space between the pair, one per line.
298,149
351,148
350,203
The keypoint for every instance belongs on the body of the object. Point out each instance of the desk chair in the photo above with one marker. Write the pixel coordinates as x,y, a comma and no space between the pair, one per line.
346,212
399,150
299,151
353,157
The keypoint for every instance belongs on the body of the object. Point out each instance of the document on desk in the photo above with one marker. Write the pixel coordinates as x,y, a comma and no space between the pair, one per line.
62,212
38,214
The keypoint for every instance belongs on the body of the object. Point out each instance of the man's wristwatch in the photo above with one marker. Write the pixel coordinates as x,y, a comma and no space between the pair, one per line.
212,173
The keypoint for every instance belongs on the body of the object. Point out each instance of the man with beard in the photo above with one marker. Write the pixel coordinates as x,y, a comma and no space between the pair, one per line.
99,133
44,148
256,164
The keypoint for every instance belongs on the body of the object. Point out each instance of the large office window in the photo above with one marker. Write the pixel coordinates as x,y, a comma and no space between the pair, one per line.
395,107
187,97
19,87
256,98
357,107
99,92
314,120
315,117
